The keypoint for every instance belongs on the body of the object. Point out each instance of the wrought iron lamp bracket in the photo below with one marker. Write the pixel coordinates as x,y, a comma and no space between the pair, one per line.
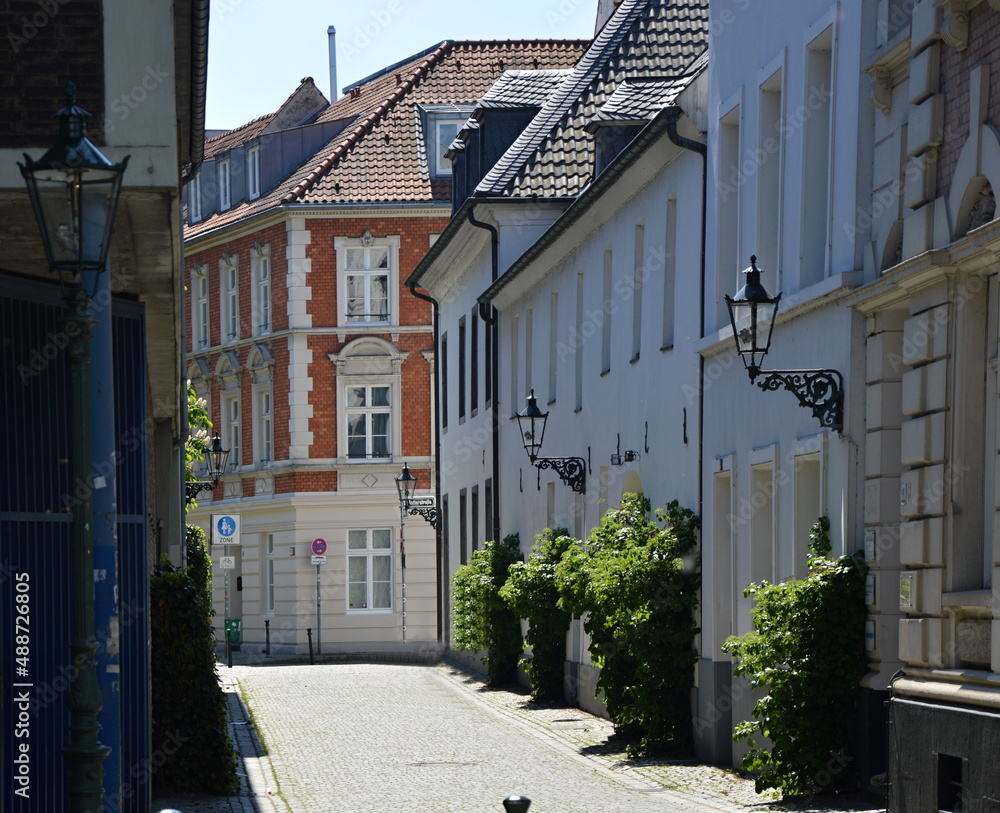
429,514
571,470
193,488
822,391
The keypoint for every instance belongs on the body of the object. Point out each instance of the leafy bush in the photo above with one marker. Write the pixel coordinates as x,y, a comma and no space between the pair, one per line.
807,648
532,594
481,620
189,707
638,582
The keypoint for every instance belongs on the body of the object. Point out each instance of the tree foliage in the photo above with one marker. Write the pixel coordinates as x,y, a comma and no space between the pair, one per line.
532,594
807,649
637,580
481,620
189,708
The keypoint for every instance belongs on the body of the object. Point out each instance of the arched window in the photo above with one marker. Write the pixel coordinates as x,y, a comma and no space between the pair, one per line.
260,362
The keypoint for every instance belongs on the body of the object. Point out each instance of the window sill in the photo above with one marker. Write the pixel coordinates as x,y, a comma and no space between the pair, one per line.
667,347
634,359
605,372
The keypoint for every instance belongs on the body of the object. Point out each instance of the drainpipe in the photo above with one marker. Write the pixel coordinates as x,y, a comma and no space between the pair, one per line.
439,547
489,315
702,150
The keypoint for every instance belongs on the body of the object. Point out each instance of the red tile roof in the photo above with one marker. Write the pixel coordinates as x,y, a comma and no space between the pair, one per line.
380,156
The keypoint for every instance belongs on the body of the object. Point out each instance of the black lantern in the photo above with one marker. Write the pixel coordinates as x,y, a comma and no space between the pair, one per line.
216,457
415,506
532,425
752,312
531,422
74,191
405,484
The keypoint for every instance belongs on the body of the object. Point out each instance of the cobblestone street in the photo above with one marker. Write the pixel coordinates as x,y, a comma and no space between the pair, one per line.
381,738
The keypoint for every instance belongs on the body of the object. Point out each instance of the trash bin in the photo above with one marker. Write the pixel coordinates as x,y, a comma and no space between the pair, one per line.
233,630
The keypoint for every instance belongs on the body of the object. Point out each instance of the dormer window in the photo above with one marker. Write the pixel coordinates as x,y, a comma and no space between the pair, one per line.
194,199
445,131
225,194
610,141
253,172
441,124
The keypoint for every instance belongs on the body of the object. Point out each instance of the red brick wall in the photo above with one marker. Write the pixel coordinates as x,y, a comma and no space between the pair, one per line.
416,380
46,45
984,43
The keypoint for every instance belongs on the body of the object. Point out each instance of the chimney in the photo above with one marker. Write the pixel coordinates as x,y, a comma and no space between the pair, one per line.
331,34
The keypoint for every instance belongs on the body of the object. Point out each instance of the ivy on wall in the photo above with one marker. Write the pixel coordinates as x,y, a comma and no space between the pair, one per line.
189,708
807,650
481,619
532,594
637,580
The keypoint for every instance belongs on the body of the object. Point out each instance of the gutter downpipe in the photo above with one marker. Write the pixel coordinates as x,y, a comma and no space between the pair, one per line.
438,546
489,315
702,150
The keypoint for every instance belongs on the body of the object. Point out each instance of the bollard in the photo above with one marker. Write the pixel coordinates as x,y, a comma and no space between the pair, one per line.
516,804
267,636
309,634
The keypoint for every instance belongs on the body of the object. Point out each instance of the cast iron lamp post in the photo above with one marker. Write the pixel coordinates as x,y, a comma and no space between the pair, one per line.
74,193
571,470
752,313
216,458
405,484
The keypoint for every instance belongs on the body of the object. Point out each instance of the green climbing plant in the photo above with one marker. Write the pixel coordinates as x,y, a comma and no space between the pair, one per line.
190,724
532,594
807,649
481,620
637,580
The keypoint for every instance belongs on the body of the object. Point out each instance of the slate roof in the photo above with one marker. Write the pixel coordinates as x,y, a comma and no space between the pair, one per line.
379,157
522,89
637,100
643,40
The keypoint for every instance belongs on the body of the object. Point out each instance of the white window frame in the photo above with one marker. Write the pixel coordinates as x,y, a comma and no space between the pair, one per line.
194,199
391,410
263,441
441,164
342,244
267,596
225,184
368,554
261,312
229,310
201,335
253,172
231,423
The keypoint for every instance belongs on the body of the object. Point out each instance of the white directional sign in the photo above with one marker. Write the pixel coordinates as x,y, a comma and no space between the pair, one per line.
227,563
319,560
225,529
421,501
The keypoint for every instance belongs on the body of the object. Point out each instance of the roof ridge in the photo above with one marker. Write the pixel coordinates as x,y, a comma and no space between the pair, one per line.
241,127
367,123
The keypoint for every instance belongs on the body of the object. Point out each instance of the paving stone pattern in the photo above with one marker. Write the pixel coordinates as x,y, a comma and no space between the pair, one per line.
388,738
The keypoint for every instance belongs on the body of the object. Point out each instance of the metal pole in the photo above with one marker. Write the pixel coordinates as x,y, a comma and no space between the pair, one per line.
225,618
319,649
267,636
402,559
85,753
309,635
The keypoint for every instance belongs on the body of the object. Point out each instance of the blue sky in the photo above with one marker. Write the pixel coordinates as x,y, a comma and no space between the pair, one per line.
260,49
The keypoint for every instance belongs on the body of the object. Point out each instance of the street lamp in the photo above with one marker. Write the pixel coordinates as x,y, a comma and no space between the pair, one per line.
405,484
216,458
74,193
531,422
752,312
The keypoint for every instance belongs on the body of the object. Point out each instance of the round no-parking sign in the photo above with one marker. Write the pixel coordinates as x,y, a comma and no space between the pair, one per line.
319,547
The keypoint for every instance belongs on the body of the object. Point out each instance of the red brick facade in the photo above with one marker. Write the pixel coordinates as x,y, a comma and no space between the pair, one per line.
322,339
984,41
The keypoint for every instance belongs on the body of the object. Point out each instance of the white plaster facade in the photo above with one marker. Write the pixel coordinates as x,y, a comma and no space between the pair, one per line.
785,108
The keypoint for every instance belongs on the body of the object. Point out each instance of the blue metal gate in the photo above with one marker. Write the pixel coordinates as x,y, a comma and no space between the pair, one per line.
36,495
